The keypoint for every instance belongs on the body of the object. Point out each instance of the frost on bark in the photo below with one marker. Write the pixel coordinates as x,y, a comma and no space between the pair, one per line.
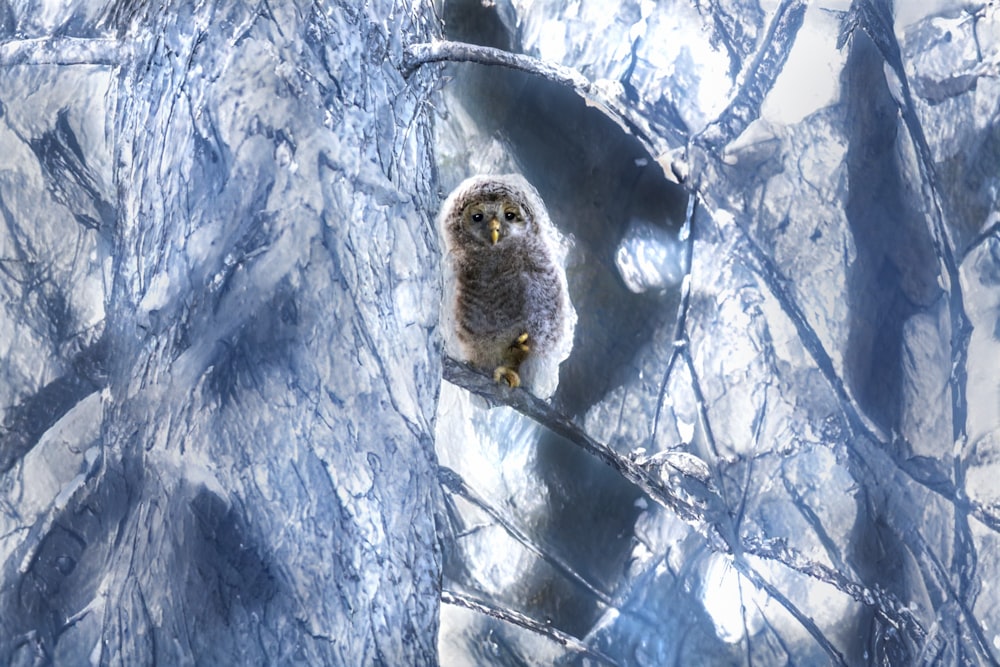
220,283
808,415
225,438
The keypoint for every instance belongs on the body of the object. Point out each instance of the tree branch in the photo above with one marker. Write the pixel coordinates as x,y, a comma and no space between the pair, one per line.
509,616
696,504
454,483
605,98
446,51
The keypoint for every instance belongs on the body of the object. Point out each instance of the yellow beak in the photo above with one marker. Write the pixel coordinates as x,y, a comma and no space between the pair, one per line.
494,230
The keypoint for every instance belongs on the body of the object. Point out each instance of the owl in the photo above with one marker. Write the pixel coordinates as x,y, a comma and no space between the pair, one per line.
507,308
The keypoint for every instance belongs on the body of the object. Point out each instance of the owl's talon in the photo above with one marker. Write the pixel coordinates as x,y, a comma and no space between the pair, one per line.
522,343
508,375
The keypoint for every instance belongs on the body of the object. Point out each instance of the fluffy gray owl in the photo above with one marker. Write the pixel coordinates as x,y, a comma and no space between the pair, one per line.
507,306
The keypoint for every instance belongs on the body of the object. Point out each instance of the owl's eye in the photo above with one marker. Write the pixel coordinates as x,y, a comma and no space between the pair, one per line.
510,215
477,217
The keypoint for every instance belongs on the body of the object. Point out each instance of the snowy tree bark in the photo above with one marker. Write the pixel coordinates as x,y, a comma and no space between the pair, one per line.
262,487
223,412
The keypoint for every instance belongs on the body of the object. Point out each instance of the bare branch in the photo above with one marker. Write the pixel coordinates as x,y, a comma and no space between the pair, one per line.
883,603
520,620
445,51
454,483
991,232
607,98
697,505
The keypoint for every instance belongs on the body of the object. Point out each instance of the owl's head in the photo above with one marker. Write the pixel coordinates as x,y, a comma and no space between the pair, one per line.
487,212
491,220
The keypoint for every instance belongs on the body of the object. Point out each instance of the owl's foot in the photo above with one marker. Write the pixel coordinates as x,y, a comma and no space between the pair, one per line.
521,343
508,375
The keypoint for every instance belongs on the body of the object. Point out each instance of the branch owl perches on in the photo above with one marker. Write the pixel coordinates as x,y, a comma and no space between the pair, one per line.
507,309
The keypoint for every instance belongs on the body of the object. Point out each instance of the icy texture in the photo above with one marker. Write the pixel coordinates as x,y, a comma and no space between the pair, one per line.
803,435
225,438
220,286
650,258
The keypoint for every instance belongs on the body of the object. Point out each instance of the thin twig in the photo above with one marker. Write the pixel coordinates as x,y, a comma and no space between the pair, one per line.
454,483
991,232
680,324
883,603
764,267
520,620
804,620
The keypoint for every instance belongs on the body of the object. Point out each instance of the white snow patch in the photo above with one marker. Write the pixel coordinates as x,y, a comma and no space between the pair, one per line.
157,294
810,79
650,258
731,601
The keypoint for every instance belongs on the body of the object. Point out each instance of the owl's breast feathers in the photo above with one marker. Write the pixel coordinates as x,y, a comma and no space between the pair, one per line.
506,289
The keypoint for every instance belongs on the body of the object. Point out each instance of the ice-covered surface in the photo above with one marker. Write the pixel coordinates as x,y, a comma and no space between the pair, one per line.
225,438
220,287
829,371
